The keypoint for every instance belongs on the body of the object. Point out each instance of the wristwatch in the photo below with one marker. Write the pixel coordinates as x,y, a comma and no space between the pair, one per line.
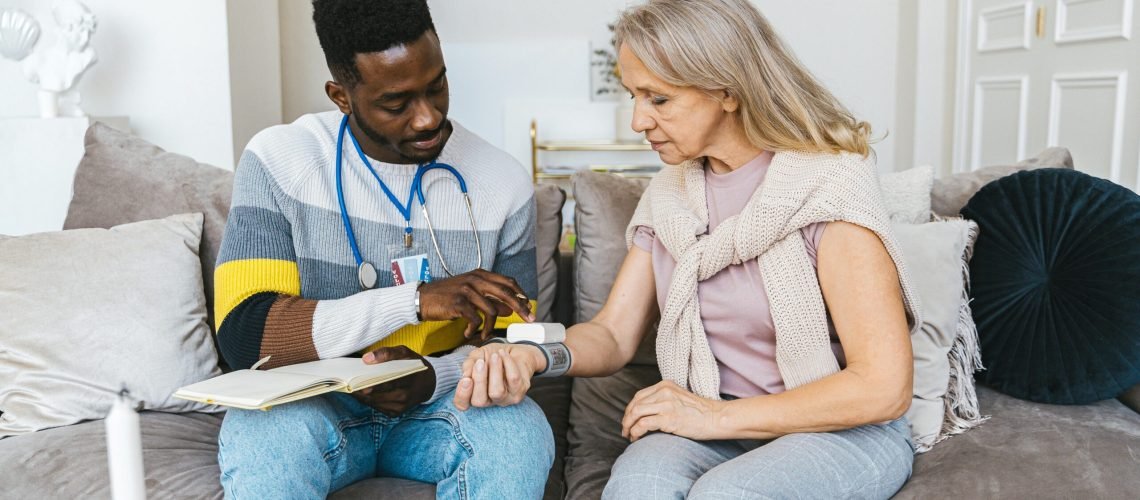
419,317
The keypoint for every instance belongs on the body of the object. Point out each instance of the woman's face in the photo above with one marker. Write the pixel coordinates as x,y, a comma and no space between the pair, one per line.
680,122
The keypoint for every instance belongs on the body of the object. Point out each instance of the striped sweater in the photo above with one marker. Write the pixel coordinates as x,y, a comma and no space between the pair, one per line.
286,283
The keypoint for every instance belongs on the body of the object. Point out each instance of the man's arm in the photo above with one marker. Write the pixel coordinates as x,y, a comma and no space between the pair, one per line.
257,288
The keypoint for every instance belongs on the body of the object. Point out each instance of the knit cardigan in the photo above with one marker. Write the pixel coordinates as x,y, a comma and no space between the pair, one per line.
799,189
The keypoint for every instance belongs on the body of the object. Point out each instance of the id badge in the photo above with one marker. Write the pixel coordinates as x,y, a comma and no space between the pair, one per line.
411,268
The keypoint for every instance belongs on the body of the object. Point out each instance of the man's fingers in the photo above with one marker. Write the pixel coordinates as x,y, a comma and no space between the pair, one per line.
510,295
487,308
468,312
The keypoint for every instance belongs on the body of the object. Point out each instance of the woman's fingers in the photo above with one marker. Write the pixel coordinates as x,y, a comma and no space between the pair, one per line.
479,378
516,383
463,391
495,386
643,426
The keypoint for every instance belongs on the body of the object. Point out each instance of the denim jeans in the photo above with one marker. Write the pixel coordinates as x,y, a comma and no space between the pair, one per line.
871,461
312,447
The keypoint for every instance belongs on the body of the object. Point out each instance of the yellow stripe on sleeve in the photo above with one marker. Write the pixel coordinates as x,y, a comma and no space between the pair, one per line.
238,280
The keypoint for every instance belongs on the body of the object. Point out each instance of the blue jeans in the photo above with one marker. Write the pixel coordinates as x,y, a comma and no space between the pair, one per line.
871,461
312,447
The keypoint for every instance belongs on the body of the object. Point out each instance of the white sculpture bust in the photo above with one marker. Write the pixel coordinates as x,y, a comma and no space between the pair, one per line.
58,68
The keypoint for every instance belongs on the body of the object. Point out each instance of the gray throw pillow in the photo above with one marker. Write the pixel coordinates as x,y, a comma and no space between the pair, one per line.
90,311
946,345
604,206
950,194
122,179
548,200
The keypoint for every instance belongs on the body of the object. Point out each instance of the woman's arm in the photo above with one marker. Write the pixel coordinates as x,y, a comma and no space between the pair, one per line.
861,289
499,374
606,343
860,286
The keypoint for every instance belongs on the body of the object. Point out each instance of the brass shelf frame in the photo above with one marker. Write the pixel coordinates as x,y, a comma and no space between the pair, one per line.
536,146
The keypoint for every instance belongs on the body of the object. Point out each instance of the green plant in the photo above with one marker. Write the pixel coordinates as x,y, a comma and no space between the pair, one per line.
606,64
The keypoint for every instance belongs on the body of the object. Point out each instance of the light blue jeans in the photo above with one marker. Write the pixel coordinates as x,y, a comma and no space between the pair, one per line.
310,448
872,461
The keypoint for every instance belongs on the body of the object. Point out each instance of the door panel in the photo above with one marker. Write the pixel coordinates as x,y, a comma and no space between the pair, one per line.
1086,112
1039,73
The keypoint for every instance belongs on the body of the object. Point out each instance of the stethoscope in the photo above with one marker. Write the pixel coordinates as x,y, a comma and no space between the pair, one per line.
366,272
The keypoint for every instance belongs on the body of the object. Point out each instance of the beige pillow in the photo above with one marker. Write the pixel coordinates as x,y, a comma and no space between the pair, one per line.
906,194
950,194
946,346
548,200
90,311
604,206
160,184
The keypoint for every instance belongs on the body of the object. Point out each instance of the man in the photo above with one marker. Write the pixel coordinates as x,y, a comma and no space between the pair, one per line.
314,215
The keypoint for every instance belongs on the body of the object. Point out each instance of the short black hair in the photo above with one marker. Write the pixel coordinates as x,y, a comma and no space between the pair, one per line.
349,27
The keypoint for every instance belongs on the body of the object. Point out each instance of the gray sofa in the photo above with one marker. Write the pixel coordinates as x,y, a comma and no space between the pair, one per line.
1024,450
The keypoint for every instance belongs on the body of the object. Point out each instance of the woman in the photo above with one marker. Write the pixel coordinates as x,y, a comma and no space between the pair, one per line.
785,310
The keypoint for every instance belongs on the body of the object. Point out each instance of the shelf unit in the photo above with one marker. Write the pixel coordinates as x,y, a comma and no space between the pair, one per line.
538,174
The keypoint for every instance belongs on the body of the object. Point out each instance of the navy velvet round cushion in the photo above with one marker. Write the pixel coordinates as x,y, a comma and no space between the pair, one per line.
1056,286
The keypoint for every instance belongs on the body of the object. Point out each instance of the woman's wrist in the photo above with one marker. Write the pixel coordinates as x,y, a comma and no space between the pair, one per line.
537,359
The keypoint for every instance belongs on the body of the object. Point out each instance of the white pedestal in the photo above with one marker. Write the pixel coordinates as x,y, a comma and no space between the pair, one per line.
38,157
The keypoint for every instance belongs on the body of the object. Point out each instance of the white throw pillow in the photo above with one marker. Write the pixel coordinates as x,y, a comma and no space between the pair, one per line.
945,348
86,312
906,194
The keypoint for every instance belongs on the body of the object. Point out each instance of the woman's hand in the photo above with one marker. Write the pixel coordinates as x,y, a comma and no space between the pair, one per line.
497,374
666,407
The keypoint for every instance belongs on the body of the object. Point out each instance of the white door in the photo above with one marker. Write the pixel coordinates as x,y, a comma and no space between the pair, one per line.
1040,73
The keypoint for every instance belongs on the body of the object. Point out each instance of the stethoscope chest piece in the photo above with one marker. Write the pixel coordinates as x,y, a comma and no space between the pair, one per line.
366,273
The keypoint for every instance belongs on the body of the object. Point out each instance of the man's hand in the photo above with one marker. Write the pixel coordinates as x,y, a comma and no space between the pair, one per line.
468,294
396,397
498,374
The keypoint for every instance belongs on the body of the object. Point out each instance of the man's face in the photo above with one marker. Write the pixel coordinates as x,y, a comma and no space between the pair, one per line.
399,108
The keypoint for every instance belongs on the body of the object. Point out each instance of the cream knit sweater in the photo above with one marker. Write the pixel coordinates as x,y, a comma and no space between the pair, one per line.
799,189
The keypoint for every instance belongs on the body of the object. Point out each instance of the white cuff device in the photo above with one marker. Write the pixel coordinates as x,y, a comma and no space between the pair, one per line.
539,333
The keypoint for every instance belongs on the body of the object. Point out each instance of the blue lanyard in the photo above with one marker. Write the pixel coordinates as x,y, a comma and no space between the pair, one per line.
405,209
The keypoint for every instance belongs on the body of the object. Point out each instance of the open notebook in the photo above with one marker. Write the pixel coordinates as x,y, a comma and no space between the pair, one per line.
260,390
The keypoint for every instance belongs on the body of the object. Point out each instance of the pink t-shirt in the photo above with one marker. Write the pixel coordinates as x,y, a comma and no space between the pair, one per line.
734,305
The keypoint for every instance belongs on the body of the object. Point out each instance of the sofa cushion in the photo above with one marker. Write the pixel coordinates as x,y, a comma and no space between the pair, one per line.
950,194
90,311
1054,285
548,201
946,344
1030,450
595,426
604,204
906,194
159,184
180,459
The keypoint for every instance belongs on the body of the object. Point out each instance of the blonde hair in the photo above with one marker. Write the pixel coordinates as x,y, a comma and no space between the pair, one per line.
728,45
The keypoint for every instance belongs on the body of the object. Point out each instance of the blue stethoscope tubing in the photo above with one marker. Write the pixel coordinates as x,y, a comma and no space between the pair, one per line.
366,272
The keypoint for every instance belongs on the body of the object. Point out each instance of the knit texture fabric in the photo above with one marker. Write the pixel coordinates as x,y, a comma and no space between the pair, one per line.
800,189
286,281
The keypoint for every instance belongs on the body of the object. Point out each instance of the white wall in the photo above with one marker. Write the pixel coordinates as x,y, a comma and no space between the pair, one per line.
851,45
163,64
255,68
197,78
